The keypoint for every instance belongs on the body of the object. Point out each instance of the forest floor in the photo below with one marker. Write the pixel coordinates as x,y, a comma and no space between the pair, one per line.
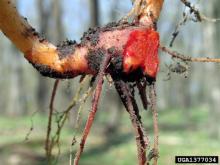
178,136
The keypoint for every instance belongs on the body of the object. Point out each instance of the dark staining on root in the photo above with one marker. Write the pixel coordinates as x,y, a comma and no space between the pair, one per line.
142,86
95,58
66,48
116,68
116,60
117,64
91,36
48,72
112,50
120,75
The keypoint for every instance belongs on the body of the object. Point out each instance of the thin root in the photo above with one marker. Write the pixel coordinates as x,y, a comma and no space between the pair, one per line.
48,146
131,106
155,122
141,85
92,113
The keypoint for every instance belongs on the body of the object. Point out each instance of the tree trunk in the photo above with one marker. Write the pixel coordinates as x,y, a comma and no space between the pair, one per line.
211,36
94,13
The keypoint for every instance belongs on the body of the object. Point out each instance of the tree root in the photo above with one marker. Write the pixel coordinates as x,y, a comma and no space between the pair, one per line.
155,122
92,113
141,86
130,104
48,146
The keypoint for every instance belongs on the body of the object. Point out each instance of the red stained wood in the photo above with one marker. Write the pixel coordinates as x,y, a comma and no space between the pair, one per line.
141,51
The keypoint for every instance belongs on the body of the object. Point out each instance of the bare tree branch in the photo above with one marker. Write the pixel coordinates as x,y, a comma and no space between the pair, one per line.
199,16
182,57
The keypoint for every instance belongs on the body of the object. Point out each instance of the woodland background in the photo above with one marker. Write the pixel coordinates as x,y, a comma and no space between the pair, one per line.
188,107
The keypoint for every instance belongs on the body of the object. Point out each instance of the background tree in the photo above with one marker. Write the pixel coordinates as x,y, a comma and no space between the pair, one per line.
211,36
